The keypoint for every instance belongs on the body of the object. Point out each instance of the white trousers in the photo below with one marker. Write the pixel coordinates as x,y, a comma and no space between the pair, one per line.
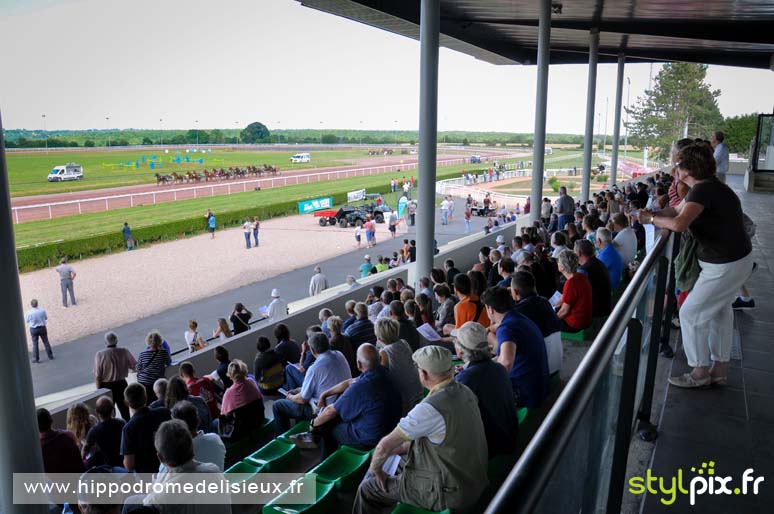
706,317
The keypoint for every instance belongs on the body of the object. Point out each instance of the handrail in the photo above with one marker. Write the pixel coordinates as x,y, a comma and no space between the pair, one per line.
526,482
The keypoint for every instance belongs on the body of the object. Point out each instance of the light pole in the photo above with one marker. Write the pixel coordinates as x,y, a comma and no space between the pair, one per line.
161,132
361,132
45,132
321,132
197,132
396,132
599,125
237,129
626,123
278,136
107,130
604,143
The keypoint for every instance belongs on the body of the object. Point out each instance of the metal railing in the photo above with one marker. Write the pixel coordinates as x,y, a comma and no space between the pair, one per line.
576,461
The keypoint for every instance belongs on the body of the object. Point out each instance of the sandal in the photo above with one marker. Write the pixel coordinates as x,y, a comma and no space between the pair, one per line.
721,381
687,381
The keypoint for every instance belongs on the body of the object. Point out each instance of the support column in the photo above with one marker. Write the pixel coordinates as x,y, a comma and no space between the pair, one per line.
429,27
541,103
19,443
617,118
591,92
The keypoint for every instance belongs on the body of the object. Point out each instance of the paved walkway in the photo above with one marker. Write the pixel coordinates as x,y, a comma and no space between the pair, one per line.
73,364
733,425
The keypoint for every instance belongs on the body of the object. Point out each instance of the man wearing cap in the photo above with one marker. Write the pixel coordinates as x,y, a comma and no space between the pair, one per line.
500,243
489,382
278,308
365,268
444,445
520,348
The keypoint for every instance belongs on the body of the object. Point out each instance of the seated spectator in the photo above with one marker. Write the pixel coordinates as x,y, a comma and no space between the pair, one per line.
395,355
341,343
484,264
60,449
477,283
575,306
406,294
596,272
520,348
544,273
267,367
571,233
609,257
193,339
375,302
425,314
221,372
174,446
177,391
222,332
151,364
286,347
412,310
451,271
490,383
207,447
294,372
559,244
202,387
625,240
367,408
362,329
538,310
469,308
323,316
408,330
445,313
137,437
386,299
424,286
506,268
494,276
329,368
446,462
103,442
240,319
242,408
349,307
79,422
160,390
517,248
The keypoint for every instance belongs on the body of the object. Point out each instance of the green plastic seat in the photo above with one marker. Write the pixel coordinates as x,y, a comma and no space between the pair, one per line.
522,413
261,432
243,468
345,467
324,497
298,428
405,508
274,456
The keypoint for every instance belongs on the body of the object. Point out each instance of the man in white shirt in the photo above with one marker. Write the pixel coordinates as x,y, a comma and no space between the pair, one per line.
625,240
445,211
208,448
278,308
36,318
721,155
319,282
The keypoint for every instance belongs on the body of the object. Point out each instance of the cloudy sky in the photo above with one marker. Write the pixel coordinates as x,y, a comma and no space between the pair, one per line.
232,62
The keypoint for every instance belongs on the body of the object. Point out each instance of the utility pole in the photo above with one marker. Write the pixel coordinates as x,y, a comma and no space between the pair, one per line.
626,123
278,136
197,132
107,130
361,132
45,132
237,129
161,131
321,132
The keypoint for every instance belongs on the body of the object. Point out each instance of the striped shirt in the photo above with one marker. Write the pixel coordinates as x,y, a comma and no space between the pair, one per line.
151,365
361,331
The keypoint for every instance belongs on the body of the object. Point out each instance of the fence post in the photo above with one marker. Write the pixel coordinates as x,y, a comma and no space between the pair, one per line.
154,198
244,187
229,189
212,191
49,212
79,208
16,214
175,194
131,201
107,208
195,189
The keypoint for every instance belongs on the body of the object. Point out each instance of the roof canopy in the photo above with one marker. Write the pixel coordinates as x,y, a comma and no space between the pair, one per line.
726,32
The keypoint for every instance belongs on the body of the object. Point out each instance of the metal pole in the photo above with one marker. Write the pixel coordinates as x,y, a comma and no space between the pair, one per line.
429,29
588,140
19,444
541,104
626,123
617,117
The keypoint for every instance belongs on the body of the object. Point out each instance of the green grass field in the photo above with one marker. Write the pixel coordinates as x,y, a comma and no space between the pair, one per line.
27,172
524,187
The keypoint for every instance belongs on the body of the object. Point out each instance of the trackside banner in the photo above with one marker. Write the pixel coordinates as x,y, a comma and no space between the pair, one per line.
317,204
354,196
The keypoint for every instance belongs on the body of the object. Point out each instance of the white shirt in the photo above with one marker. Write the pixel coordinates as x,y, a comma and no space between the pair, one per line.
721,158
318,284
626,244
278,310
558,250
247,226
209,448
36,317
423,420
445,205
221,501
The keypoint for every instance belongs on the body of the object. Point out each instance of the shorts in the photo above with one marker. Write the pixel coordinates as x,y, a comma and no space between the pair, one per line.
357,238
211,229
392,228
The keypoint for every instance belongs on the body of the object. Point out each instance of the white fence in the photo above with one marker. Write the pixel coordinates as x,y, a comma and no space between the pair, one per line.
225,187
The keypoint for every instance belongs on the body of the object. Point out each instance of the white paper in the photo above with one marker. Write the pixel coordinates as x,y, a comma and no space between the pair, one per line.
650,237
390,466
554,300
428,332
264,311
283,392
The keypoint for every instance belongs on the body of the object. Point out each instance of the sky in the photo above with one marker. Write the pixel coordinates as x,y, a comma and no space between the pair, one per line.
229,63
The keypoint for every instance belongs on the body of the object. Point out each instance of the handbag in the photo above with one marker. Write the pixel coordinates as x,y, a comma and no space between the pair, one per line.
687,266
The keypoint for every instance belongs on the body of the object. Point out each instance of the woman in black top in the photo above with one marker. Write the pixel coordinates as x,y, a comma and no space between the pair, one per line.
240,319
713,214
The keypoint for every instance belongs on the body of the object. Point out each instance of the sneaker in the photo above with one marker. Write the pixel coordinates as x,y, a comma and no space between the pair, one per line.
675,323
666,351
687,381
741,305
304,440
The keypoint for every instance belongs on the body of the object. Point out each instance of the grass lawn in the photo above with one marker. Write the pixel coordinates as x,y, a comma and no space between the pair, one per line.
27,172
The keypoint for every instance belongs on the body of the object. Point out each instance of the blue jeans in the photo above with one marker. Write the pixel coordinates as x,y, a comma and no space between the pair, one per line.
247,239
285,410
564,219
467,225
255,236
445,216
293,376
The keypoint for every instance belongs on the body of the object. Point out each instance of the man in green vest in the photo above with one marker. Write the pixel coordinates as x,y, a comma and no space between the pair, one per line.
443,443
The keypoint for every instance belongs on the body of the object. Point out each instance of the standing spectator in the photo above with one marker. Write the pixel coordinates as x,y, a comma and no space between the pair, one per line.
599,278
193,339
318,283
393,223
240,319
268,368
278,308
467,217
575,306
358,234
625,240
609,256
242,408
66,277
60,449
362,329
137,438
721,155
111,367
395,355
445,211
412,211
286,347
545,211
412,250
211,223
151,364
247,228
103,441
527,207
365,268
565,207
256,226
200,386
128,239
222,332
36,318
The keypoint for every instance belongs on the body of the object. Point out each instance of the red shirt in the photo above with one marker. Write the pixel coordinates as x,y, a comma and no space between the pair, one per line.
577,294
201,386
60,452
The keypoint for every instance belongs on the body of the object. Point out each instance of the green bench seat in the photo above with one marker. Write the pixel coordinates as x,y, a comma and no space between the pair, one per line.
243,468
324,497
405,508
274,457
298,428
345,467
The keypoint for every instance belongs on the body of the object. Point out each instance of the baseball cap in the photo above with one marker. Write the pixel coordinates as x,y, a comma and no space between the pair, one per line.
471,335
433,359
275,293
367,257
500,239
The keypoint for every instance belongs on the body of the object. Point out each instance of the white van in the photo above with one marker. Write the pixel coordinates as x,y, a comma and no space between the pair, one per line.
301,157
69,171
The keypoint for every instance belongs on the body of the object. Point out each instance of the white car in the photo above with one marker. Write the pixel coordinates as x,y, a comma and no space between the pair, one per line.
301,157
69,171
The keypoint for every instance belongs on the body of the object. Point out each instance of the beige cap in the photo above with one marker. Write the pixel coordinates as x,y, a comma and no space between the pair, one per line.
472,335
433,359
